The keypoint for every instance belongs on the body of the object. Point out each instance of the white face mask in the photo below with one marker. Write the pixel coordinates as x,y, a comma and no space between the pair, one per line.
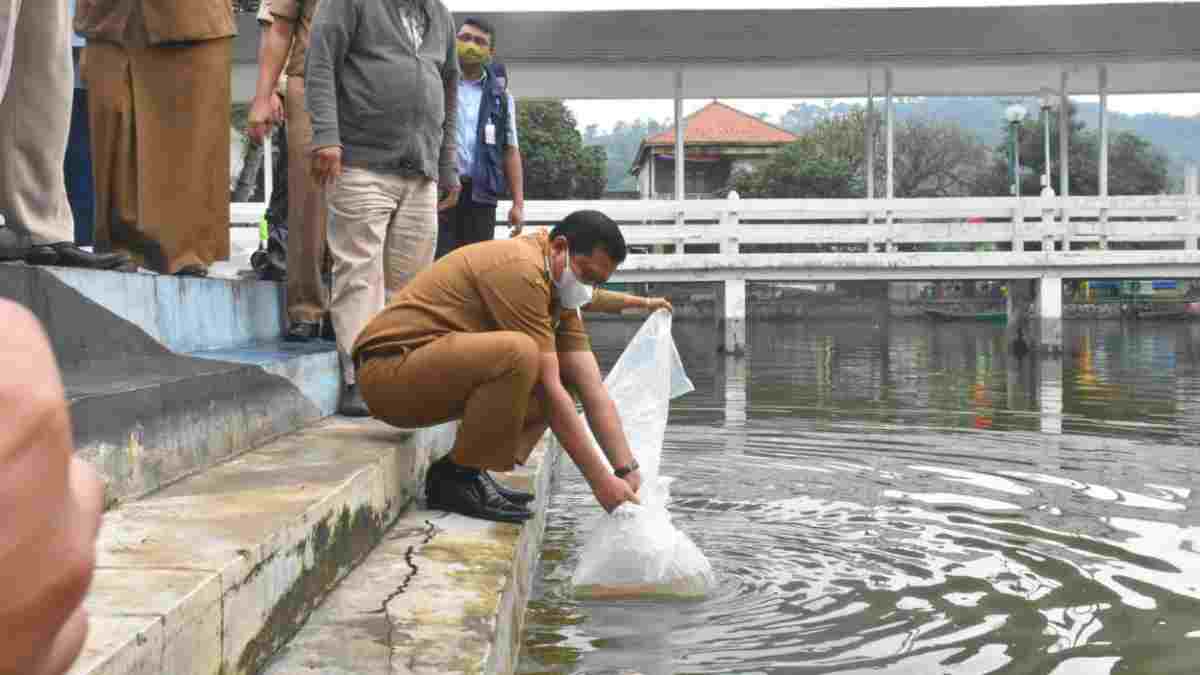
572,293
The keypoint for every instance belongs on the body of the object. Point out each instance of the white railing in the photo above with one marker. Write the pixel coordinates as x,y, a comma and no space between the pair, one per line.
882,225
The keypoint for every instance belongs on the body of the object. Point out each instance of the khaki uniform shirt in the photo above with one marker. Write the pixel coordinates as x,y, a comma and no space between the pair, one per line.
300,13
501,285
139,23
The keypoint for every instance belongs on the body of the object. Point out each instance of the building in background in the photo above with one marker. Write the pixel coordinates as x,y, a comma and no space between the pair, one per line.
719,141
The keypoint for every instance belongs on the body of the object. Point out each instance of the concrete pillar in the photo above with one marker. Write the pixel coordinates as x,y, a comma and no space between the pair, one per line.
1191,188
1103,76
735,393
733,317
1050,315
891,134
869,136
1064,135
1016,332
680,175
1050,393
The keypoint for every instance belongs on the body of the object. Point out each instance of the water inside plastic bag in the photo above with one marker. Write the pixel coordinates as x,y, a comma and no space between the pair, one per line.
636,552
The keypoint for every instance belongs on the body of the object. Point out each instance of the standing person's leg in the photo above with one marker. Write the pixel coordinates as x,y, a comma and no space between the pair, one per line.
36,116
106,71
307,297
182,107
447,226
480,223
412,232
362,207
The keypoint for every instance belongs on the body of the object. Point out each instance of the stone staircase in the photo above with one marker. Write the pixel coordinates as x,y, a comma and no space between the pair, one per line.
237,504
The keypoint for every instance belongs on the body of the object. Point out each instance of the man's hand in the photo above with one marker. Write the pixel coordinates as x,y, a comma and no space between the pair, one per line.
264,114
611,492
516,218
655,304
634,479
451,199
327,165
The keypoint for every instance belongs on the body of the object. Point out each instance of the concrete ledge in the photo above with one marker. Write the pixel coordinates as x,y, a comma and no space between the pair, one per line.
185,314
147,421
441,594
213,574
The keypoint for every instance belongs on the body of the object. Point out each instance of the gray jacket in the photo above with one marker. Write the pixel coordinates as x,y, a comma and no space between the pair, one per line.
389,103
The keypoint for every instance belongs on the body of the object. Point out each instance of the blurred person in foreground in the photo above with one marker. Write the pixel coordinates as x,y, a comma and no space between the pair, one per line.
493,335
50,503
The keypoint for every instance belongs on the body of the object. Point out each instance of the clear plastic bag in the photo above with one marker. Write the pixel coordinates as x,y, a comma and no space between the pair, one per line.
636,551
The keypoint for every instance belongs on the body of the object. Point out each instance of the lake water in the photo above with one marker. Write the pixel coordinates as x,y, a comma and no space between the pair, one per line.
909,498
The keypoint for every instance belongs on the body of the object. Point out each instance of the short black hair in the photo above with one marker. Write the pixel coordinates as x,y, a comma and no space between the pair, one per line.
483,25
585,230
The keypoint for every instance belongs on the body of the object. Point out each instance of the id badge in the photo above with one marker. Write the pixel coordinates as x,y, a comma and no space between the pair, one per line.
489,134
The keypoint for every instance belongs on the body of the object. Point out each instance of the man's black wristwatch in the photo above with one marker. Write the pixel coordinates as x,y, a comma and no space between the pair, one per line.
623,471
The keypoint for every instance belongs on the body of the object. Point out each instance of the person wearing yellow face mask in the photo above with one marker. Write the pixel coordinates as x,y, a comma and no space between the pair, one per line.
489,157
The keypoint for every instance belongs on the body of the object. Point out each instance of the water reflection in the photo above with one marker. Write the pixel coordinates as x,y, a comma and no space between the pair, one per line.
910,498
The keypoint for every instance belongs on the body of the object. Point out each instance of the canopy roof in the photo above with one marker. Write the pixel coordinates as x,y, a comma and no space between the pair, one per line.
997,49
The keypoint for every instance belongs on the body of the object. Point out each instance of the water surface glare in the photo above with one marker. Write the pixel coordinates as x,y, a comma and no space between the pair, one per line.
908,498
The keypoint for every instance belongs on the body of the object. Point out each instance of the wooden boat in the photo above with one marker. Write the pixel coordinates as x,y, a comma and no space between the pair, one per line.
944,315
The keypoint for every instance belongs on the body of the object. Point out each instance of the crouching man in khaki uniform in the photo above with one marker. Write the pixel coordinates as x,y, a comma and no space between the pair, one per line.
492,335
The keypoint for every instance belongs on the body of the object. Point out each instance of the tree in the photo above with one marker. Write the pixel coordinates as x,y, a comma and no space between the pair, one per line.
557,164
796,172
1136,167
932,159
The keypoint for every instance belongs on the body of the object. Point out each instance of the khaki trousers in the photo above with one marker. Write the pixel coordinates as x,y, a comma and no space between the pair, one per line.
37,79
383,232
307,297
485,379
160,150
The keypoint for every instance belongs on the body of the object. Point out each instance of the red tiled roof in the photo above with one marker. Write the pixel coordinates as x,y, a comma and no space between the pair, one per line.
717,123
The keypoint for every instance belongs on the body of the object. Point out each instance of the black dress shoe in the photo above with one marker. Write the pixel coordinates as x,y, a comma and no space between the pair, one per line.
449,487
353,404
518,497
192,271
303,331
66,254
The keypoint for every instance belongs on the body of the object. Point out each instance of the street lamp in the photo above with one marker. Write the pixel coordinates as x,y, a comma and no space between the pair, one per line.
1015,114
1047,100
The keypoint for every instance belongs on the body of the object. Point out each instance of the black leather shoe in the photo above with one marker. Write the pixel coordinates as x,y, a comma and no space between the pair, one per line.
303,331
353,404
449,487
518,497
66,254
192,271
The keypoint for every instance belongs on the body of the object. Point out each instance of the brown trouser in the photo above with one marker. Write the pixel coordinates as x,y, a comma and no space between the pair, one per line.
307,297
485,379
35,116
160,131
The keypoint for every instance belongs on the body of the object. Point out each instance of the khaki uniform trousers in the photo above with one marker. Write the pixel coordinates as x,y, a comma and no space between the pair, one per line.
484,379
307,296
37,79
160,150
383,232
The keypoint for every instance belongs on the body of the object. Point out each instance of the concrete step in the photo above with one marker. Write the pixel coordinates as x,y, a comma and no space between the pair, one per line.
169,375
146,421
214,573
442,594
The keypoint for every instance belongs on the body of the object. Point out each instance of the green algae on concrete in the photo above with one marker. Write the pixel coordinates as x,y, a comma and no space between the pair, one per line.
336,550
